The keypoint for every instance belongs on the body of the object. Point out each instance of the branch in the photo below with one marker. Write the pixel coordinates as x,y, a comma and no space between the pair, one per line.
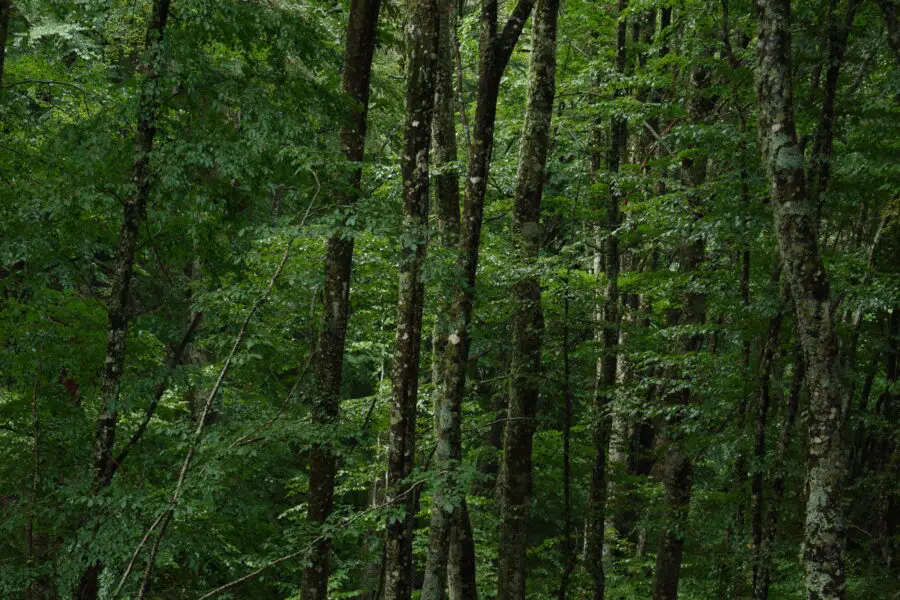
507,39
163,520
344,524
158,391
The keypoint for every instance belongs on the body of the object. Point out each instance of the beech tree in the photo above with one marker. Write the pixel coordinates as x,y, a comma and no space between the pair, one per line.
449,299
355,81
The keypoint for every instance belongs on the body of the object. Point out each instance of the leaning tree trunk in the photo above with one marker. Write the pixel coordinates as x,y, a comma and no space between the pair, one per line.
360,47
608,336
422,35
495,50
796,221
104,466
528,322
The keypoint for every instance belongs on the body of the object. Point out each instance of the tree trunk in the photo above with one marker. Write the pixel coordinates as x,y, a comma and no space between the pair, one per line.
528,323
495,50
759,438
422,36
796,220
120,286
568,558
607,335
360,48
5,10
461,566
448,450
677,467
762,566
889,11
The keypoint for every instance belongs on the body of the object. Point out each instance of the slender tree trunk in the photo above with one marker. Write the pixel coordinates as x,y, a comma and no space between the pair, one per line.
568,559
495,50
448,450
759,439
677,466
890,12
820,161
120,289
360,48
608,337
5,10
34,589
762,566
528,323
422,36
796,220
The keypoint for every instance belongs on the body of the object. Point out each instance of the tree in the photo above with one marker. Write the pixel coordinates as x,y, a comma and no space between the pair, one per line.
422,36
515,485
360,48
135,207
796,218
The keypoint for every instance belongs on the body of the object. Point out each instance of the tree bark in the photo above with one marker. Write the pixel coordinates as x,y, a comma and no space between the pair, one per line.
762,566
819,169
447,498
355,82
889,11
568,558
677,466
422,36
120,286
796,221
528,323
495,49
759,438
608,336
5,10
461,565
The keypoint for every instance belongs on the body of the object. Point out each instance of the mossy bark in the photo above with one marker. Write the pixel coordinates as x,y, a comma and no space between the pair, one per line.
515,485
796,221
422,36
360,48
134,210
448,499
495,49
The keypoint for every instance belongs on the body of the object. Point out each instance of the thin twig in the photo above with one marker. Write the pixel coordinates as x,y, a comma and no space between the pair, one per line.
345,523
163,520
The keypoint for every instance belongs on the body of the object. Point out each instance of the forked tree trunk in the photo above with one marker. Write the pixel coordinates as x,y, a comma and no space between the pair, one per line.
796,221
494,52
104,466
422,36
360,48
528,323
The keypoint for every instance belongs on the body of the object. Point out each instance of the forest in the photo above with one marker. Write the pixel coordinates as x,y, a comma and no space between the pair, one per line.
449,299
